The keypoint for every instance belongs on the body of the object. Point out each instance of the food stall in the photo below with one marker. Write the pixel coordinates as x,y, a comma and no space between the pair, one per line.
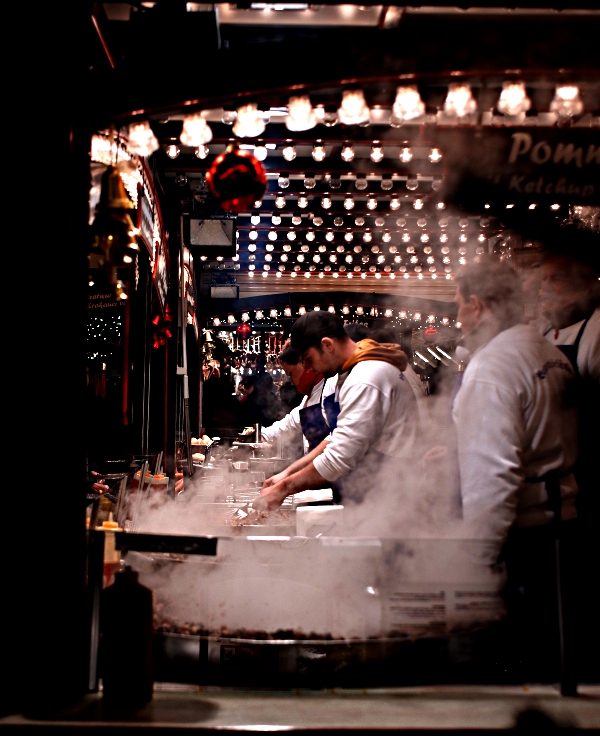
292,600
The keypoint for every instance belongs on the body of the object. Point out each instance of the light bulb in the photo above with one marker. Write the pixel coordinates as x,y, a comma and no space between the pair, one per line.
253,234
318,152
359,221
142,140
347,153
301,115
172,151
276,219
269,246
291,235
566,102
358,249
280,201
367,237
288,152
435,155
249,122
377,152
406,154
310,235
329,236
394,203
513,99
322,248
302,201
260,152
272,235
335,182
317,221
407,105
349,236
459,100
228,117
296,220
386,237
202,151
424,238
372,203
283,181
326,202
348,203
418,204
361,183
310,181
387,183
338,221
353,109
412,184
195,131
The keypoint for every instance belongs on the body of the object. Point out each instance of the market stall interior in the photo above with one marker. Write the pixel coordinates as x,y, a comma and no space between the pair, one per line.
236,186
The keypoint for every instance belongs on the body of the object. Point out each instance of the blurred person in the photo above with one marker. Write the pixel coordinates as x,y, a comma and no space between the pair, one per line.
515,422
259,404
570,320
373,415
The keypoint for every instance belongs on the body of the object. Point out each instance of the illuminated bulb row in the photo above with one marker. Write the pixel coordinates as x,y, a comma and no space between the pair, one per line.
349,202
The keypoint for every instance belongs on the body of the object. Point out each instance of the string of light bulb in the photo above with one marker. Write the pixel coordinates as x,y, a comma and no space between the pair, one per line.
460,102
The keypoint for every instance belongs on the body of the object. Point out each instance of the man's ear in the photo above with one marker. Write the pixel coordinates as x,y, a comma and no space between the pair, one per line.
478,305
327,344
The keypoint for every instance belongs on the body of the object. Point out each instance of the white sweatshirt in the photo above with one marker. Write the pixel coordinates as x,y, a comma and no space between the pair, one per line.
289,428
588,355
514,420
379,416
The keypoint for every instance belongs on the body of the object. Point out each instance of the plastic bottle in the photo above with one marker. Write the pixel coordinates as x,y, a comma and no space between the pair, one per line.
126,641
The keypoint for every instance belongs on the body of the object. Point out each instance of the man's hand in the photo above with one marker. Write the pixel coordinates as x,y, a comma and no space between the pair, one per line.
271,497
178,481
274,479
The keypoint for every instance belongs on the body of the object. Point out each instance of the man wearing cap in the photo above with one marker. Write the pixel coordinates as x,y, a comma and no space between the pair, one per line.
305,421
373,415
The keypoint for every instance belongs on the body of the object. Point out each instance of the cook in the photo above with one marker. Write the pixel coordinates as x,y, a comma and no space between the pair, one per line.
305,420
373,415
516,428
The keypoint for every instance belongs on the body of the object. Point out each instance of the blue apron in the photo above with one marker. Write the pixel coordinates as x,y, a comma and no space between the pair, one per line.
311,420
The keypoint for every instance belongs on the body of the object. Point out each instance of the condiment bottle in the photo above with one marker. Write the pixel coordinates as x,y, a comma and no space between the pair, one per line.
126,641
112,556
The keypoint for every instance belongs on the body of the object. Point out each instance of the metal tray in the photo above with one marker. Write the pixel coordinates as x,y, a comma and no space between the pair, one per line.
324,663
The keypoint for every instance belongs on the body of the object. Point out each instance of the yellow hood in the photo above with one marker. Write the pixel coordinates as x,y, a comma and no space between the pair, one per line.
371,350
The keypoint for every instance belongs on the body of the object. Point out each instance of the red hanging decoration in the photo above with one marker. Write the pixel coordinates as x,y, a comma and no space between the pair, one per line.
236,179
430,334
162,327
243,330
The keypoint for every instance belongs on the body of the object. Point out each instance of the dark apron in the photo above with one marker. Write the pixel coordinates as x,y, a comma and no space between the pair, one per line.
588,513
314,426
331,407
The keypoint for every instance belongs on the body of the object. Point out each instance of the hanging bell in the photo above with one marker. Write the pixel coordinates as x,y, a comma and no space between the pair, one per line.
113,195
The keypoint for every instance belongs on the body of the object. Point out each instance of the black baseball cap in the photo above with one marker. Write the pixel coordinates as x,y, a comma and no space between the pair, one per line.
312,327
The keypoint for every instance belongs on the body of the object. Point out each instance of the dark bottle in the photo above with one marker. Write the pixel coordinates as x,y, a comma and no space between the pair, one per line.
126,641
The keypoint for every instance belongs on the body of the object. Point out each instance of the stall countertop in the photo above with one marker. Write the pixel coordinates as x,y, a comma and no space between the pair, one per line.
444,708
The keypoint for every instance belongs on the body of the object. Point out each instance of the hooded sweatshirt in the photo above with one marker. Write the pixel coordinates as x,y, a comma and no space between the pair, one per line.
379,417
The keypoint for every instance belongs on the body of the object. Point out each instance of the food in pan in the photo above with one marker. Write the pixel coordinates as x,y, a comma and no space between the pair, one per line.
204,440
198,457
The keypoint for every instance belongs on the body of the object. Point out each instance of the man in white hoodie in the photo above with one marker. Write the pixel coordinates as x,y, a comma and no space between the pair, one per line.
374,415
516,426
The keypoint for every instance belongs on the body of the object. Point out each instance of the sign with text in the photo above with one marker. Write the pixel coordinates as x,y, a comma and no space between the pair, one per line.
533,166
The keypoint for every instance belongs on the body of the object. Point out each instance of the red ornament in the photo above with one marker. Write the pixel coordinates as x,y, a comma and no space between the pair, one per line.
430,334
243,329
236,179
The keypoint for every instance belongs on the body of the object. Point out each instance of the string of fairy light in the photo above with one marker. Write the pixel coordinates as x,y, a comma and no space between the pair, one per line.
267,318
103,329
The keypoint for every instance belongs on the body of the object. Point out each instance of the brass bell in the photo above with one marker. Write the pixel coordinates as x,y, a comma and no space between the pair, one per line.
113,194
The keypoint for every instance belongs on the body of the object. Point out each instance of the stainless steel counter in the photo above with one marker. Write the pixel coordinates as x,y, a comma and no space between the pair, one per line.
176,707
